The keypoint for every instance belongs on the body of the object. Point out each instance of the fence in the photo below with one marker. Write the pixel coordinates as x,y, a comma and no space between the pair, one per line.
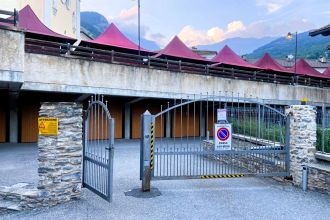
177,142
111,56
14,18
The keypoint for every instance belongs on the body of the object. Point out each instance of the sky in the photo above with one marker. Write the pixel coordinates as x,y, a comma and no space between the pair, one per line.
201,22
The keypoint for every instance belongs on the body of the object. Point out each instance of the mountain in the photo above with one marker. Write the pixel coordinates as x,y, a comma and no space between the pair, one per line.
308,47
239,45
94,24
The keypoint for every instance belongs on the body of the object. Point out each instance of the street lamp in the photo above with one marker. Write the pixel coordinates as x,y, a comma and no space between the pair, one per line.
290,36
139,25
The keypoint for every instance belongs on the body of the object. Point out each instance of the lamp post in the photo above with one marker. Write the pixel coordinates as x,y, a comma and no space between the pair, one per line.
139,26
290,37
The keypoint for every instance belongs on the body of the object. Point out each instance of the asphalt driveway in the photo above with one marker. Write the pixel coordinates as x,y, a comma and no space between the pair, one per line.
243,198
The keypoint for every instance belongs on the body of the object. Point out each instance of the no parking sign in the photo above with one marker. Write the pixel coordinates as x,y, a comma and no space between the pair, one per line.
222,136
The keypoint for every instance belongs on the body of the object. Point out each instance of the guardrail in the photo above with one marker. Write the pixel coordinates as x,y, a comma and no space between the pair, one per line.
14,18
58,49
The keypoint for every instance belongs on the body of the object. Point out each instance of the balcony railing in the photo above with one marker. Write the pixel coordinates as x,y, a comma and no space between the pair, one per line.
111,56
13,15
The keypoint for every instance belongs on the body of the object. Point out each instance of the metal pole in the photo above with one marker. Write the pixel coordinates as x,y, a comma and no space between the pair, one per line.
287,145
146,120
259,120
295,59
139,27
111,152
323,126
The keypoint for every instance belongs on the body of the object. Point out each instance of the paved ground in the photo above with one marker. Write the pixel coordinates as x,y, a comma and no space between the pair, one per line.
18,163
246,198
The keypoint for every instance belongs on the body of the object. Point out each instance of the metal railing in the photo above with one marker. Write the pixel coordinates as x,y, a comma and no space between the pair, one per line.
177,142
111,56
14,18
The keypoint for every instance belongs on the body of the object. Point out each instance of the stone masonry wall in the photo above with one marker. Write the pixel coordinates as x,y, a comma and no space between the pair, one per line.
302,139
60,157
59,160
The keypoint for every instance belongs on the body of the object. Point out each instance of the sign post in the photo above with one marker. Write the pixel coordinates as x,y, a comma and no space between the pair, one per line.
222,131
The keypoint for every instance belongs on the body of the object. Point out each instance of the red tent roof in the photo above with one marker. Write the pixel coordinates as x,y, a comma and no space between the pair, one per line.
268,63
112,36
303,68
227,56
31,23
327,72
176,48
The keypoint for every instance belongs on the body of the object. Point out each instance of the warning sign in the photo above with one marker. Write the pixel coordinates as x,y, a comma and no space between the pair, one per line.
48,126
222,115
222,136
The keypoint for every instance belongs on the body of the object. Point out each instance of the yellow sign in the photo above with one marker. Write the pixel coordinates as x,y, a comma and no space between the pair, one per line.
48,126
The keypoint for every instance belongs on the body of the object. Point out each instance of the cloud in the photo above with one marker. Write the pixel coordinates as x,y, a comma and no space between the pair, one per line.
273,6
159,38
235,26
326,13
194,37
128,14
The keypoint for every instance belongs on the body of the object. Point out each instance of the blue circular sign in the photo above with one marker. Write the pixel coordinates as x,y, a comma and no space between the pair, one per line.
223,134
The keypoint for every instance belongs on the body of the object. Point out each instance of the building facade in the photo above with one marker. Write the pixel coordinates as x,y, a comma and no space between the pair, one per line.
62,16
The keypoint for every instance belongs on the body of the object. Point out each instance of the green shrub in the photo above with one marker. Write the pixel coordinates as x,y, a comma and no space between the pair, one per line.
326,139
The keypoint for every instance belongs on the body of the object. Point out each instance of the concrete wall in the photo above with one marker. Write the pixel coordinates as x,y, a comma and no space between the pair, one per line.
12,57
61,74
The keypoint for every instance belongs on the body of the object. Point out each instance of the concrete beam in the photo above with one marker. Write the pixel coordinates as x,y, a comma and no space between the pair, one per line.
103,78
127,124
168,125
202,122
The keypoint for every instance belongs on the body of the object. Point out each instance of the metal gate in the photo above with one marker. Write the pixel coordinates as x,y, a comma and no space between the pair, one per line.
177,142
98,148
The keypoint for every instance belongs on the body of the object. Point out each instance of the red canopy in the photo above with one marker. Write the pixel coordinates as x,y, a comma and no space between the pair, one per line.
229,57
31,23
303,68
327,72
112,36
176,48
268,63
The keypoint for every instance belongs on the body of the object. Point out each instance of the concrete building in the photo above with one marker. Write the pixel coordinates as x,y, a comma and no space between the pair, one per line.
324,31
39,65
62,16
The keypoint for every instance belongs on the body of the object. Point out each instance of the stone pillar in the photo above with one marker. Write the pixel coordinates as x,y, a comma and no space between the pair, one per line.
127,126
302,139
60,157
13,117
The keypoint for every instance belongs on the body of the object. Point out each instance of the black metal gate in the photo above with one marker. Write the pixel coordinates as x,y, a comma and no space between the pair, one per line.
98,148
177,142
